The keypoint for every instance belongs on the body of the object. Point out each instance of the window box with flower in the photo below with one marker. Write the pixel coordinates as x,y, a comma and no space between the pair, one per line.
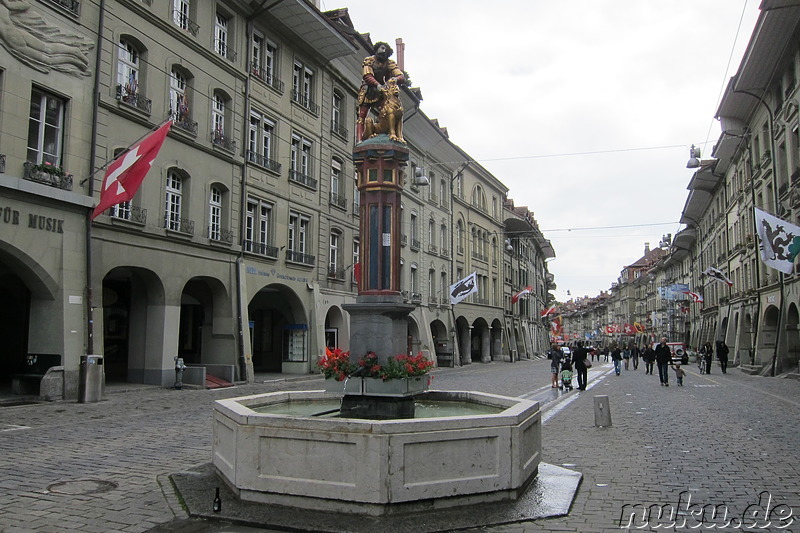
401,375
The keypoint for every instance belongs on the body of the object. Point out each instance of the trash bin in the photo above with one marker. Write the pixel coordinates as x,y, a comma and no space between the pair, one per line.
92,379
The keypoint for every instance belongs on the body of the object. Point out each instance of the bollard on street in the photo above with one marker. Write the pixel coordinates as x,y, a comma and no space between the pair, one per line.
602,411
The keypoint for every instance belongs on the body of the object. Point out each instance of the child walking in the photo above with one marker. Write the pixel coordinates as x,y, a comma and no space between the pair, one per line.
679,373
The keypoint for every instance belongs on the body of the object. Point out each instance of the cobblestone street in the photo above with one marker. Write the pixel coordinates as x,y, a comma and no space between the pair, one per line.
722,440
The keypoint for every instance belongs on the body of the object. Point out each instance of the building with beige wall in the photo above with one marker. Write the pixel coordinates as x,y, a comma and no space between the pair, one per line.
239,250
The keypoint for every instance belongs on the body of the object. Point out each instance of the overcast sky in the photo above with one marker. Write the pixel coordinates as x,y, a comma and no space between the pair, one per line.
585,109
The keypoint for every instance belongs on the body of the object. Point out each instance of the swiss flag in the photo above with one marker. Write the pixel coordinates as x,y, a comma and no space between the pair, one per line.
126,173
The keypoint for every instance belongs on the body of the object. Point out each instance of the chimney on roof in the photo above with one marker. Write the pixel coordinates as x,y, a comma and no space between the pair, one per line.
646,248
400,47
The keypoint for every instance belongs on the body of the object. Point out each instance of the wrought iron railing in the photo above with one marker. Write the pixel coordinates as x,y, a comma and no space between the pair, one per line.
299,257
222,48
185,23
220,235
338,200
48,175
134,99
305,101
336,273
181,225
223,141
73,6
261,249
267,77
132,213
302,179
185,124
338,129
262,161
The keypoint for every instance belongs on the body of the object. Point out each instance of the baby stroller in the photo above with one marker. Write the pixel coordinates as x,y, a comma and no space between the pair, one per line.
566,376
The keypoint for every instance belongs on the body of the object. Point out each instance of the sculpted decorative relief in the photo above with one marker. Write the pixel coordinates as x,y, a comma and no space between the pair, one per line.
39,44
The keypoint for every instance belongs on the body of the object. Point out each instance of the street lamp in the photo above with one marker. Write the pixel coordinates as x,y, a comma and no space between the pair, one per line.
694,158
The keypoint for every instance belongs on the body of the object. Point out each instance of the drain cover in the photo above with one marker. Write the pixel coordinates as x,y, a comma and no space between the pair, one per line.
82,486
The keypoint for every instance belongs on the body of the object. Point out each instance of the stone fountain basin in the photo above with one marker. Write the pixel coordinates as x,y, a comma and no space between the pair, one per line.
374,466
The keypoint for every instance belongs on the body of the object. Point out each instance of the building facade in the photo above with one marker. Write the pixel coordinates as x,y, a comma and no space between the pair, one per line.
241,246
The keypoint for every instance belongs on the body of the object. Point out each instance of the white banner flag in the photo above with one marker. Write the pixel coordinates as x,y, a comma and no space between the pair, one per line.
779,241
463,288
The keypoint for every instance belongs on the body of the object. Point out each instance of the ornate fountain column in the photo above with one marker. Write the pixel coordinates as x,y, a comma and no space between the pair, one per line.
378,318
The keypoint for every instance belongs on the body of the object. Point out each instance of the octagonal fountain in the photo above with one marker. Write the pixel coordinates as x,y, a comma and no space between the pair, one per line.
463,447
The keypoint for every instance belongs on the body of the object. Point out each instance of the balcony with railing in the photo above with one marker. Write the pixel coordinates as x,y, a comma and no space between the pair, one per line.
260,160
184,22
336,273
416,297
222,48
415,244
130,213
299,257
261,249
338,200
338,129
220,235
218,138
185,124
433,249
180,225
133,98
47,174
2,163
305,101
403,240
298,177
73,6
266,76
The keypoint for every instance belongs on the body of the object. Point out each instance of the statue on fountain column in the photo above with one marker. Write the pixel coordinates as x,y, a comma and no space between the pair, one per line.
380,92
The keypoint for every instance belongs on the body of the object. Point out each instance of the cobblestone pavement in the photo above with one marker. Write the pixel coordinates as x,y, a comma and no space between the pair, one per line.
722,440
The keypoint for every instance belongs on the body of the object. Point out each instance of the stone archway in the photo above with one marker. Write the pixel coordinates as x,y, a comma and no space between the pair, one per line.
278,330
134,327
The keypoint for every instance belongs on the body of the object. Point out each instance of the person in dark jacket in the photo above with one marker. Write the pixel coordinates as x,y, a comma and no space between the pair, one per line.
722,356
663,359
616,357
649,357
579,355
708,355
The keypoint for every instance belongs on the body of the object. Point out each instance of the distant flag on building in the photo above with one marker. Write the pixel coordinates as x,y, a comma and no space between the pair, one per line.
461,289
717,275
524,292
628,329
126,173
639,327
696,298
609,329
549,311
779,241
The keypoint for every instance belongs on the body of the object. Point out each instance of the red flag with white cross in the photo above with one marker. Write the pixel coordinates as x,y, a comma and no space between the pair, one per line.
126,173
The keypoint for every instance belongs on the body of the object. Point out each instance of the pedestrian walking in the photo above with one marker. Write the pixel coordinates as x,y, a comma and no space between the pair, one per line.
626,356
722,356
708,355
605,354
635,353
679,374
579,360
649,357
555,356
663,359
616,357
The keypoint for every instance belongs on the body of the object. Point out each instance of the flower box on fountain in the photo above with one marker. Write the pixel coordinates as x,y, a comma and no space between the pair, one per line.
402,375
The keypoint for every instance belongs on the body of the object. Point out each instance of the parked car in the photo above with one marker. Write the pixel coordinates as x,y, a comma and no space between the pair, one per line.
679,353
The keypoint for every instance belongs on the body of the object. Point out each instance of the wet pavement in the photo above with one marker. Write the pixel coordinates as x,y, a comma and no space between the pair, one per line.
727,442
